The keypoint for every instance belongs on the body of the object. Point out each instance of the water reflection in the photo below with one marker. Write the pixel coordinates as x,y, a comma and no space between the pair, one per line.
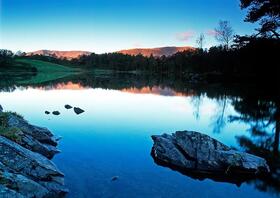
263,138
245,117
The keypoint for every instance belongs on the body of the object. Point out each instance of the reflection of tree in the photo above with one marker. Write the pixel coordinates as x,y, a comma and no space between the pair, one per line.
219,119
263,117
196,102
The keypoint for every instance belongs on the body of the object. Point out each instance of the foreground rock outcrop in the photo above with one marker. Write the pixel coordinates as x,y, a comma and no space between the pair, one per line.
25,166
200,156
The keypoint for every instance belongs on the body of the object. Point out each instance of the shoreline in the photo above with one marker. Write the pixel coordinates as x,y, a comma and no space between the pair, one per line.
26,169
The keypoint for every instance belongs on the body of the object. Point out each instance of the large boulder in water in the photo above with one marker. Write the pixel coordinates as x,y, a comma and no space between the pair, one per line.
200,156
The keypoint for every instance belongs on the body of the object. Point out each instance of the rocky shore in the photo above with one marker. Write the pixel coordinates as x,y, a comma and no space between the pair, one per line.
26,169
199,156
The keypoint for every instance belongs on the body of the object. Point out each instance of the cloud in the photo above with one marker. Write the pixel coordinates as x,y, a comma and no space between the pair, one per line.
211,33
184,36
137,45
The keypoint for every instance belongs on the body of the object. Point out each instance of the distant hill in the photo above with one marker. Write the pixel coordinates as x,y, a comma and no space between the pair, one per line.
59,54
160,51
157,52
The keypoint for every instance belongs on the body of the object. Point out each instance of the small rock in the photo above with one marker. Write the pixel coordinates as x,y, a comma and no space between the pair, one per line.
58,138
68,106
115,178
78,110
47,112
1,108
56,113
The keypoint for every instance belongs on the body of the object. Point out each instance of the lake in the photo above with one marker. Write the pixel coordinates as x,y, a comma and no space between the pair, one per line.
113,136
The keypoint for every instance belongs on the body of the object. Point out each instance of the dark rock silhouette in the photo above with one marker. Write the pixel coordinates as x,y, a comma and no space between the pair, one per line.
78,110
56,113
47,112
68,106
115,178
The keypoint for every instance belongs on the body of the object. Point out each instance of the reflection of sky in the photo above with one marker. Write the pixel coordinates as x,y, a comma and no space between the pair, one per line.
143,113
112,138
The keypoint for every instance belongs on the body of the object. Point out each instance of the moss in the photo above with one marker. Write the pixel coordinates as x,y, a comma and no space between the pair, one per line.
7,182
11,133
3,180
4,119
14,114
4,116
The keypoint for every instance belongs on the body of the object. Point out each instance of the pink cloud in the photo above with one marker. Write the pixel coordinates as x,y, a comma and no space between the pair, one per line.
211,33
137,45
184,36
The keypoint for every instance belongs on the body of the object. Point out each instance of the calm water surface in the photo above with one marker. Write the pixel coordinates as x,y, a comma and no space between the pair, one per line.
113,137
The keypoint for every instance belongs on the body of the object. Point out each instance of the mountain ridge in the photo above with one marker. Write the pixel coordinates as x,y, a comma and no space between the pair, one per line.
157,52
60,54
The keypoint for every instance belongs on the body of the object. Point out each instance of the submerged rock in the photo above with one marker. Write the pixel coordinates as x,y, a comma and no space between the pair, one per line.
25,168
68,106
47,112
78,110
56,113
200,156
115,178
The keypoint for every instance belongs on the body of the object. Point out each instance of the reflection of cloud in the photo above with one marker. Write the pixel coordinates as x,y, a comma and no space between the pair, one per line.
155,90
184,36
211,33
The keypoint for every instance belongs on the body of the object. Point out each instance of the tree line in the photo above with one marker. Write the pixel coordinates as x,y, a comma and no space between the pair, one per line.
236,58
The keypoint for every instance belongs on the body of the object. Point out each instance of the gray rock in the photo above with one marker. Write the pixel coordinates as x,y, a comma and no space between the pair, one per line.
25,161
56,190
194,153
29,142
23,185
34,145
34,166
42,135
78,110
25,170
8,193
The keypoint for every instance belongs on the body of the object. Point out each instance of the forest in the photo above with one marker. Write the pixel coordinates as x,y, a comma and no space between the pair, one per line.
236,58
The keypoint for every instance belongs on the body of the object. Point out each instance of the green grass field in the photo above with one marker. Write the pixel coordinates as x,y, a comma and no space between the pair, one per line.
46,71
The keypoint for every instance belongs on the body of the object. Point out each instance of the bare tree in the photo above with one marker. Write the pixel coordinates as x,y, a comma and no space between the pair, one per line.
200,41
224,33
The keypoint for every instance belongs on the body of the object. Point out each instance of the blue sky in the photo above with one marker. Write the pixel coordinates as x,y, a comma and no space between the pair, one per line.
110,25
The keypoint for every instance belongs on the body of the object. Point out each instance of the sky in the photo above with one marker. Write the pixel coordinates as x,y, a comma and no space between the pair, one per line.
109,25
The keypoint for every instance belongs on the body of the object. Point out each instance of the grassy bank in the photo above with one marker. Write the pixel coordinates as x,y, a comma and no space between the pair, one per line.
46,71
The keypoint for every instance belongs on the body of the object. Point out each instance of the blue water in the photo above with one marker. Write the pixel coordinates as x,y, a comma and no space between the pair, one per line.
113,138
